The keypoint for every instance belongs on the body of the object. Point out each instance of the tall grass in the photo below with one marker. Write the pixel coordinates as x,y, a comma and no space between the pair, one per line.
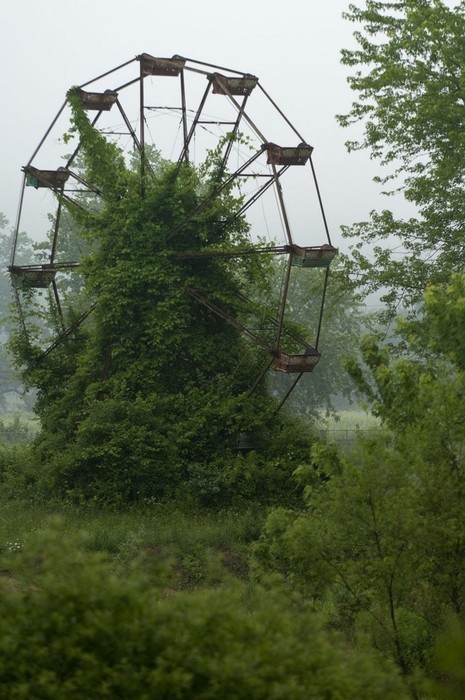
203,548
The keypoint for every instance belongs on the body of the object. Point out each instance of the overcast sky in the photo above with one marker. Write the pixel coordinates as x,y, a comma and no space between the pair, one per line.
293,46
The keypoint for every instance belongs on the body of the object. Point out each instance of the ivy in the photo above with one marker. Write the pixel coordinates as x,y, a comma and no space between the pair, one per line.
153,381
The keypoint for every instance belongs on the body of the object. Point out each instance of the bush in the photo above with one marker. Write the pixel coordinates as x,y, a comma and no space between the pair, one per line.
71,628
18,473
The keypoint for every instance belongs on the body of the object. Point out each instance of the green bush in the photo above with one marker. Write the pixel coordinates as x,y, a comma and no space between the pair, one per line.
18,473
72,628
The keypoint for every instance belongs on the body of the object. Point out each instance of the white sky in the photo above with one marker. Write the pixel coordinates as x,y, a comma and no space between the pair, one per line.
293,46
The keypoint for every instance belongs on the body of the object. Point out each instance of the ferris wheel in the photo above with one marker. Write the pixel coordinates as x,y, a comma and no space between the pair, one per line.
184,108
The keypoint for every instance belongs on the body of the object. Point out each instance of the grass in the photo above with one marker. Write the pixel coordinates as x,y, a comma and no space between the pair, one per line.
203,547
199,548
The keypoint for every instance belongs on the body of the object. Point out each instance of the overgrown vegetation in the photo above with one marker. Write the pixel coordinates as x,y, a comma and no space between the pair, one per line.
179,568
147,398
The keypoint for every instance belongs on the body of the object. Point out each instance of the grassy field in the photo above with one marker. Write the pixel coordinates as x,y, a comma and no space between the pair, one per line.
198,548
201,546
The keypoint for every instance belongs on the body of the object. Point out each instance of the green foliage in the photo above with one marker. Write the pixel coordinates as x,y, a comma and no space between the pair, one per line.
10,382
450,663
18,475
408,71
380,546
73,628
150,392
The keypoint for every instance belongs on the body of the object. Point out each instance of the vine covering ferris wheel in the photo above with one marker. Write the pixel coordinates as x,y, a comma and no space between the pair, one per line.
185,109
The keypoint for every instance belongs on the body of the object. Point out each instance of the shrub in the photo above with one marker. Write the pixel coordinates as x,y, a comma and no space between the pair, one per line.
71,628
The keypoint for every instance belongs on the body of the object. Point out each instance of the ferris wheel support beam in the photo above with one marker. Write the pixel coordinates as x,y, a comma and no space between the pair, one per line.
279,191
282,305
260,191
18,219
320,201
41,142
214,194
184,116
234,132
184,156
78,148
320,319
58,304
69,330
281,113
142,129
266,367
289,392
56,229
209,65
108,72
236,104
129,126
229,319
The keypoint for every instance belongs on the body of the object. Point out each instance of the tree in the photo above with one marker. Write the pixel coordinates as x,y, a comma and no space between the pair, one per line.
409,67
381,542
10,380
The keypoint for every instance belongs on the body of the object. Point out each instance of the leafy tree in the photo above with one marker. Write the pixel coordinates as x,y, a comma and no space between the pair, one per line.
408,77
381,543
10,381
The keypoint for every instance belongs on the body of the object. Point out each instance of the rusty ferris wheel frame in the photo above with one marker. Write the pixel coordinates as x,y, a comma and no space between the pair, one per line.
268,162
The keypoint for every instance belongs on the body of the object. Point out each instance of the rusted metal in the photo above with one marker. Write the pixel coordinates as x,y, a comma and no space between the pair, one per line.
299,363
208,65
237,253
56,228
53,179
152,65
227,317
129,126
283,362
279,110
289,392
99,101
313,256
32,276
184,157
69,330
222,84
184,117
288,155
247,441
108,72
142,127
282,304
213,195
322,209
282,205
322,308
18,220
41,142
237,87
